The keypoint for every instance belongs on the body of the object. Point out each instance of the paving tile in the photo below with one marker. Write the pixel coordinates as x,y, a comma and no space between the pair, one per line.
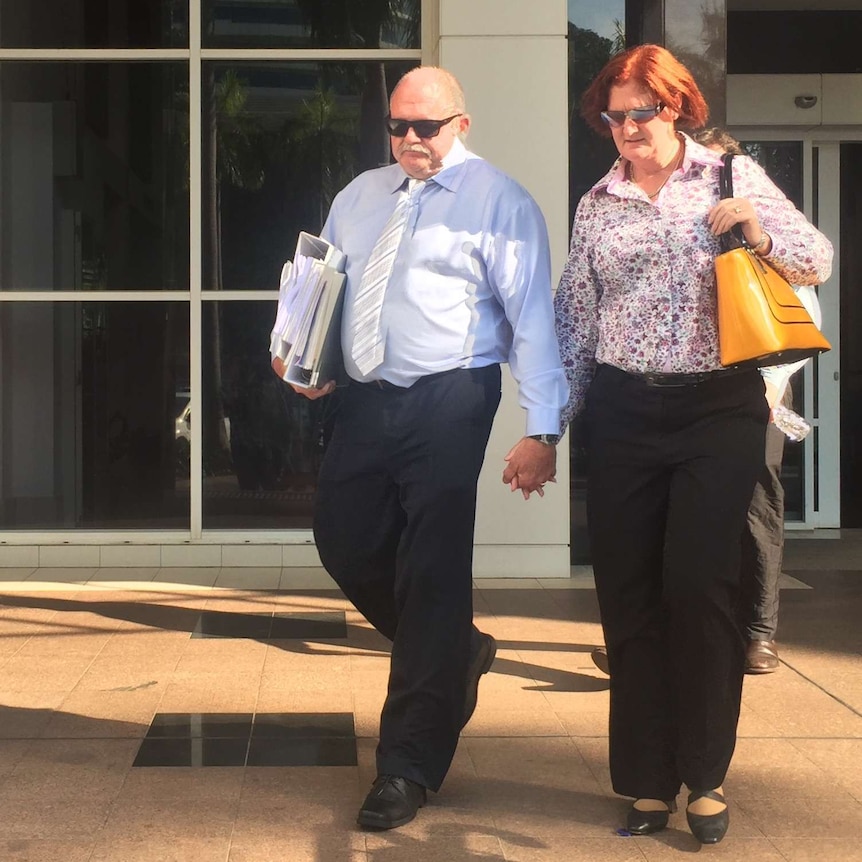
172,850
528,848
550,762
777,817
679,845
491,721
298,848
73,767
49,674
193,785
45,850
192,753
40,817
819,849
419,842
163,821
25,714
86,713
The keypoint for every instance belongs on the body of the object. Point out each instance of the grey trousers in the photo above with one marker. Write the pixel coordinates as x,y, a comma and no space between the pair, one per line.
763,542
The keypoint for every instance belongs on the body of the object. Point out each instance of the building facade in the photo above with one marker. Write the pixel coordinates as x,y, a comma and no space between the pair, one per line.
157,159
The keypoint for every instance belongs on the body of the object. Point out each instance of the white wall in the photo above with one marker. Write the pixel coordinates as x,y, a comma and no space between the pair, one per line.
510,56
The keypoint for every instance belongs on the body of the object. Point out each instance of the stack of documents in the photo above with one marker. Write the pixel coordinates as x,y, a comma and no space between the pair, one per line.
307,332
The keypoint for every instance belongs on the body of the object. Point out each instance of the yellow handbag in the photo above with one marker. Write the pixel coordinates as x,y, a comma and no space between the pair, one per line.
761,321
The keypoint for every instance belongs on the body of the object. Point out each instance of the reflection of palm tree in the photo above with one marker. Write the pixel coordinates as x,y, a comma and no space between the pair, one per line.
362,25
231,153
618,44
323,136
591,154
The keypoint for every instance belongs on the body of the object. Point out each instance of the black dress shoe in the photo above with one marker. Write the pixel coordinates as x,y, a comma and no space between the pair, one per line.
646,822
392,801
707,828
481,658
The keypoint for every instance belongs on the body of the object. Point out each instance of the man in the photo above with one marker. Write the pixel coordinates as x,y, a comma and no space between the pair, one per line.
462,252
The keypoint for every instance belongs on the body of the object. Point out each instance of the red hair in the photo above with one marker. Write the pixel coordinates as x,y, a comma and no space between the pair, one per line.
659,72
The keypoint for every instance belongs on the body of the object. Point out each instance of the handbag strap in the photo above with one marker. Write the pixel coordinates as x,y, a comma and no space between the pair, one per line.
734,238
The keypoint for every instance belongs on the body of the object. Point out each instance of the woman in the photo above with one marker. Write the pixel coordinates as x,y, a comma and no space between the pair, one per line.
674,440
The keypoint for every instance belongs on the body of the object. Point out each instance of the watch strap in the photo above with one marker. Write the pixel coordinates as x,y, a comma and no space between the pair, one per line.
547,439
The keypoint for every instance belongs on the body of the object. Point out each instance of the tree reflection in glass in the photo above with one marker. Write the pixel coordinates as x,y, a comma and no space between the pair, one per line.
281,141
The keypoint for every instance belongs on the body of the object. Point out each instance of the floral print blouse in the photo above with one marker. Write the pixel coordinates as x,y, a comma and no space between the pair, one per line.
638,290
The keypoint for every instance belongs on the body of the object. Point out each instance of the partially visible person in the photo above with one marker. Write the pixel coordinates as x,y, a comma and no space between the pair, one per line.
448,276
675,441
763,536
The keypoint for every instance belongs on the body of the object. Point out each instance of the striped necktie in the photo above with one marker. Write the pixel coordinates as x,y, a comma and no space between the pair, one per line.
368,340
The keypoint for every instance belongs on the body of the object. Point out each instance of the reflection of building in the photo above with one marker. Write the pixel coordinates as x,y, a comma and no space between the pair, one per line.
141,240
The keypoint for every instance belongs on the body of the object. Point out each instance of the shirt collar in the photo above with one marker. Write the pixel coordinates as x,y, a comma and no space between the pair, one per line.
694,155
449,176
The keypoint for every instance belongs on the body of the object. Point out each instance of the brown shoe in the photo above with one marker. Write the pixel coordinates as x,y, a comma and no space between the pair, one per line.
761,657
599,655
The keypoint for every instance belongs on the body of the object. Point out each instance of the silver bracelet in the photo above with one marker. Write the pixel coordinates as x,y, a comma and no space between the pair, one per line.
764,238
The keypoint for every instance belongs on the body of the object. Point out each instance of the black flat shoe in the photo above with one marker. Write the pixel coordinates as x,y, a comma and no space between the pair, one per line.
646,822
481,658
707,828
392,801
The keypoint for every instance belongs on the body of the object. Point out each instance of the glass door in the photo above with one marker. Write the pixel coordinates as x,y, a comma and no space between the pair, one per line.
808,173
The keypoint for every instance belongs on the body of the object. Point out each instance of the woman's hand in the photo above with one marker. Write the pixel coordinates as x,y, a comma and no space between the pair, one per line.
529,465
739,211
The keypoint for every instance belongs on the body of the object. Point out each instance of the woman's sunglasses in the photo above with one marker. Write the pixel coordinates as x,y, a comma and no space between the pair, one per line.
423,128
615,119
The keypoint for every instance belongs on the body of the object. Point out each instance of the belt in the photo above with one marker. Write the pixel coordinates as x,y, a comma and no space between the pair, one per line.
655,378
386,386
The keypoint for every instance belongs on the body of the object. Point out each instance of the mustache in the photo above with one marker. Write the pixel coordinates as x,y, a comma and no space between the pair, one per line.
414,148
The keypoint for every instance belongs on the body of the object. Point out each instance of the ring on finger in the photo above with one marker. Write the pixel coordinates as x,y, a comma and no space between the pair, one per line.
737,209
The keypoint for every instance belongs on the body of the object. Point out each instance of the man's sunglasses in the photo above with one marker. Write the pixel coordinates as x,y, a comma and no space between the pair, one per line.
423,128
615,119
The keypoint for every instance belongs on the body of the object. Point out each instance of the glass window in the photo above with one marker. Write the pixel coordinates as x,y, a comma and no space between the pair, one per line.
91,433
311,23
280,141
596,33
94,24
94,160
262,443
809,42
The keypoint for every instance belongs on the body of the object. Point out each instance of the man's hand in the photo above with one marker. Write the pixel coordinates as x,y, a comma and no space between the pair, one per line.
314,394
280,368
529,465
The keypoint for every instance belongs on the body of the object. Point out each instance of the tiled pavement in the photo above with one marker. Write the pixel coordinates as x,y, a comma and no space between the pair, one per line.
88,660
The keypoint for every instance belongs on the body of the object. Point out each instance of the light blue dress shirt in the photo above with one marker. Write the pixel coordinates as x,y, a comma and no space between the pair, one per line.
471,283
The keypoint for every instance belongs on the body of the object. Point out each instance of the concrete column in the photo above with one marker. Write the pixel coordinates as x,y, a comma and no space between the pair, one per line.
510,56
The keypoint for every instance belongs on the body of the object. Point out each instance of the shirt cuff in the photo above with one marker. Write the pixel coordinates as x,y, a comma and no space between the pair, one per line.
542,420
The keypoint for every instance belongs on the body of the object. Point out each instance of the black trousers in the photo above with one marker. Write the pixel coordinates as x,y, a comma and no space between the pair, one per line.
763,541
394,522
670,476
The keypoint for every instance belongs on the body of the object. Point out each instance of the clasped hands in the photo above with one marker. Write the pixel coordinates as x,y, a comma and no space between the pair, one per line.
529,465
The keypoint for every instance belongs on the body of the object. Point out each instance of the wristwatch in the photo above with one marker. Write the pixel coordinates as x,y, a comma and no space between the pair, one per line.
547,439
